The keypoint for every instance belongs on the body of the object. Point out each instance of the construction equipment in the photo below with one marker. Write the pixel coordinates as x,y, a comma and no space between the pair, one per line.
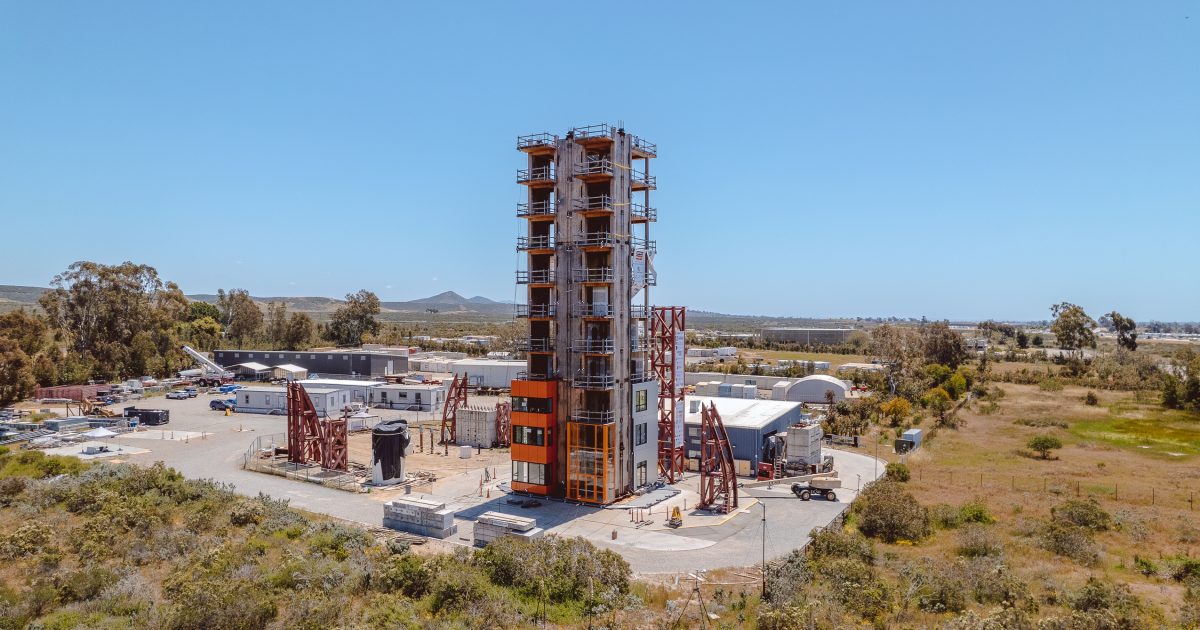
455,399
209,374
822,486
676,519
717,480
310,439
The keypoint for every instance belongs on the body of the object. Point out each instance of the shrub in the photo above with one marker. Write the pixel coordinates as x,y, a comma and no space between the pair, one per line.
1087,514
897,472
856,586
946,516
1183,568
1145,566
1050,385
975,541
244,513
789,578
1041,422
455,590
888,513
975,512
1091,399
30,538
1043,444
404,573
830,543
568,568
1110,605
1068,540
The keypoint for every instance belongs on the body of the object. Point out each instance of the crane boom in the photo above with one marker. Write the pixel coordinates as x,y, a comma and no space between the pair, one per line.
206,364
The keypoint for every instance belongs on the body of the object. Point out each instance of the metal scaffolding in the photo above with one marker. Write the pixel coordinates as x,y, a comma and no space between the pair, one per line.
312,440
667,324
717,482
456,398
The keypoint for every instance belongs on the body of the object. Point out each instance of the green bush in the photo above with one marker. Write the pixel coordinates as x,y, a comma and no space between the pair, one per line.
405,574
1043,444
946,516
888,513
1051,385
1068,540
856,586
1145,566
832,543
567,568
1091,399
975,512
457,589
896,471
1084,513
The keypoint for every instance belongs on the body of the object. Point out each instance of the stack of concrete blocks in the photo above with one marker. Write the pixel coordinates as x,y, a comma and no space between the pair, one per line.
707,388
475,425
419,516
779,390
749,391
804,444
492,525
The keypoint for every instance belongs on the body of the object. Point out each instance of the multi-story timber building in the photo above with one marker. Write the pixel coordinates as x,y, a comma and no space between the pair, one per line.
584,419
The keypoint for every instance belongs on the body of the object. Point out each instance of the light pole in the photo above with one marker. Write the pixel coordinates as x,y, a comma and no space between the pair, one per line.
764,550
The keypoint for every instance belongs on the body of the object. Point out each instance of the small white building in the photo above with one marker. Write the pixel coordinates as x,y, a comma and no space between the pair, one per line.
289,372
492,373
261,400
812,389
250,369
411,396
348,391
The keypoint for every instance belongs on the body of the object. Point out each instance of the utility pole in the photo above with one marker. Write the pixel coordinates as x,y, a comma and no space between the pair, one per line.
764,550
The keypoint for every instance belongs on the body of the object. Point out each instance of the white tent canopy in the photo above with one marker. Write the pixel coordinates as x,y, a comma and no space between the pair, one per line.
99,433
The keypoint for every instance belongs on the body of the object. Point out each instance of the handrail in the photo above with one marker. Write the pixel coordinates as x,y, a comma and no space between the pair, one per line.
586,415
536,310
594,274
601,166
639,312
536,208
535,242
592,131
641,210
536,140
537,174
643,145
594,381
596,239
540,376
594,310
594,346
641,243
537,276
595,202
539,345
638,177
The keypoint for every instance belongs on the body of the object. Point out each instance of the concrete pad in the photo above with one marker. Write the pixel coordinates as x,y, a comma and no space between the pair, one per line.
158,434
114,450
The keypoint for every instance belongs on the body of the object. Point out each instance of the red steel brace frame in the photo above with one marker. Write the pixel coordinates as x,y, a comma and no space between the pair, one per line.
311,440
455,399
716,463
665,321
504,423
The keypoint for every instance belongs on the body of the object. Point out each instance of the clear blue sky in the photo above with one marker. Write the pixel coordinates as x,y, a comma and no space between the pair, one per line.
816,159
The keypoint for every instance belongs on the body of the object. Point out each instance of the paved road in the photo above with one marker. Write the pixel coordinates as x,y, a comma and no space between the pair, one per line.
737,541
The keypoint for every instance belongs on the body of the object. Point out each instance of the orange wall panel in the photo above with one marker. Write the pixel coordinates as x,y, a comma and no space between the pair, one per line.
535,454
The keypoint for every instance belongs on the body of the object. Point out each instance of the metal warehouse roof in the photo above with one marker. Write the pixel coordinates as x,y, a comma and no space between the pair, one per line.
740,413
270,390
252,365
339,383
290,368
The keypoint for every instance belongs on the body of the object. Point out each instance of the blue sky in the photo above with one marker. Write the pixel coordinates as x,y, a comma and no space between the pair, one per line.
815,159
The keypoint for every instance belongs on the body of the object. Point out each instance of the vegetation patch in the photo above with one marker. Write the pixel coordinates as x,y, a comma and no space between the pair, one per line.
1163,432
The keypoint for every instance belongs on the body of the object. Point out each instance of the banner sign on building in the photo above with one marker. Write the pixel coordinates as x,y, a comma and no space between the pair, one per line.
678,359
637,269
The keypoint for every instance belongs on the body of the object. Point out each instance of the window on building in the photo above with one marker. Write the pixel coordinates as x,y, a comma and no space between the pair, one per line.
641,473
532,405
247,399
383,395
641,400
312,356
694,432
529,472
641,433
237,355
750,381
250,356
345,358
529,436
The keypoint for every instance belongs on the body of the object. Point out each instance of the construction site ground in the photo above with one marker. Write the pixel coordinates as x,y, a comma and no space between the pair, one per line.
214,446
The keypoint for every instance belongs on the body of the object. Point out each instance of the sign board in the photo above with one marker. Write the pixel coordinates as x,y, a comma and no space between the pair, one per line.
637,269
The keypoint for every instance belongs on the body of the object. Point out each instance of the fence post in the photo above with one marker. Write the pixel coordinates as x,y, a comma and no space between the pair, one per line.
1013,479
1114,492
1151,495
980,480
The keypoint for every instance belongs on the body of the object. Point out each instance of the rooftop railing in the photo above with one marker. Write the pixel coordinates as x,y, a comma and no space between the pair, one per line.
536,140
643,145
603,130
639,312
600,166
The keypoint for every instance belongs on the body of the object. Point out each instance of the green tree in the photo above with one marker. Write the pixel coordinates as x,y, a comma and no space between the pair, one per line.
943,344
1038,341
1043,444
242,317
1126,330
299,332
200,310
27,329
1022,339
16,373
1072,327
204,333
277,324
99,311
354,319
896,410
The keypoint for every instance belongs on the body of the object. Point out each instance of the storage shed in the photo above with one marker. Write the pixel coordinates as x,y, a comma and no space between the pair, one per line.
348,391
250,369
262,400
410,396
811,389
289,372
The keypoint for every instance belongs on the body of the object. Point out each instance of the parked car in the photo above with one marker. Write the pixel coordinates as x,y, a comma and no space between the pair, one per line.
177,395
191,392
222,405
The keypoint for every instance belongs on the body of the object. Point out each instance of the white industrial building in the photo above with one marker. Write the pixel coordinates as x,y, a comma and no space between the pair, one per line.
261,400
811,389
347,393
410,396
494,373
748,422
250,369
289,372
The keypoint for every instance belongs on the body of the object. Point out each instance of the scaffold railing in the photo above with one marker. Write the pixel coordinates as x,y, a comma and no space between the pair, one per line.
537,174
643,212
594,274
544,344
594,346
643,179
602,130
599,166
536,276
525,243
535,208
643,145
594,310
585,380
595,202
589,416
536,310
596,239
534,140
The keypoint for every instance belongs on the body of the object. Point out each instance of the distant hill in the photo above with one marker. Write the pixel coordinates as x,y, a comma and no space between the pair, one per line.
20,295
